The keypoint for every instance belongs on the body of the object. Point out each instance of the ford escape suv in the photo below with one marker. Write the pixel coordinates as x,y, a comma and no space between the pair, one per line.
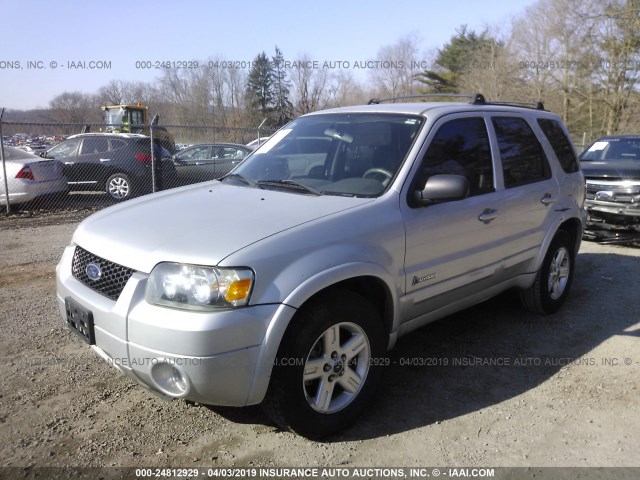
285,282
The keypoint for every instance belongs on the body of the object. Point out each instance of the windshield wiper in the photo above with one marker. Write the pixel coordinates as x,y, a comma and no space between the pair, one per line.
290,184
245,180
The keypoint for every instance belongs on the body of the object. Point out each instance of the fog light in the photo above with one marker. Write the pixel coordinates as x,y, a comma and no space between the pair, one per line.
169,379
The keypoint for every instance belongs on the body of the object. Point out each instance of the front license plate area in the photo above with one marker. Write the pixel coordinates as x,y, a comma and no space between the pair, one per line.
80,320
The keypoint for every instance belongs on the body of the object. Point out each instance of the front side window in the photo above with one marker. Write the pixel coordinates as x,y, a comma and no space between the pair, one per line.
460,147
523,160
349,154
68,148
196,153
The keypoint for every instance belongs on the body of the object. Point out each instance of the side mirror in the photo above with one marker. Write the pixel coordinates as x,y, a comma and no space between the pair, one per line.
440,188
44,155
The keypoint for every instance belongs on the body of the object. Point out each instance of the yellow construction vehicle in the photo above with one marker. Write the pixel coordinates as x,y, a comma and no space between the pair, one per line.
135,119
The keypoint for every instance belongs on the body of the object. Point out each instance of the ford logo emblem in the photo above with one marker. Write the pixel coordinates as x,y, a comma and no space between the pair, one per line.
605,196
93,271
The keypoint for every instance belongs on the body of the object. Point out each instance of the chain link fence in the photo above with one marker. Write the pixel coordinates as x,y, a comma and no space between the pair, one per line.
67,166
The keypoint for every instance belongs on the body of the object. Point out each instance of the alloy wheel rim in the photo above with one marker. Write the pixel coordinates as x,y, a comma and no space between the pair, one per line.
559,273
336,368
118,187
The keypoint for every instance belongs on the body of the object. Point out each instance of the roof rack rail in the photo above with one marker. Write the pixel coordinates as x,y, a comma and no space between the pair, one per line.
535,105
476,98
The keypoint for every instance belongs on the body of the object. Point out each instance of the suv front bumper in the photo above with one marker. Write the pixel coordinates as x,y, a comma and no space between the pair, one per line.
208,357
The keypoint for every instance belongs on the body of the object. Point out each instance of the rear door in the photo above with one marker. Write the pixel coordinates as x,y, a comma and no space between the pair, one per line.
530,191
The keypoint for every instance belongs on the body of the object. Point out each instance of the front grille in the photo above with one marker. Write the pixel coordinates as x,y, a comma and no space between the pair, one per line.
621,191
112,278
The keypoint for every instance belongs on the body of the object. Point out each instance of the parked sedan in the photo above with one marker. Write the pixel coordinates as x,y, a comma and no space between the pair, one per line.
29,176
210,161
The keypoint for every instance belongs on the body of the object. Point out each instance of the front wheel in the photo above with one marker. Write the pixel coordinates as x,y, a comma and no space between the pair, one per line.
553,281
327,366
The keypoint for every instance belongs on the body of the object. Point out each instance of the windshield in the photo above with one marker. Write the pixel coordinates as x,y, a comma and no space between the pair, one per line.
613,149
332,154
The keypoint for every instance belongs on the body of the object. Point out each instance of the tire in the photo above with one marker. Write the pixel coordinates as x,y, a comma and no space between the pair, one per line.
119,187
553,281
316,392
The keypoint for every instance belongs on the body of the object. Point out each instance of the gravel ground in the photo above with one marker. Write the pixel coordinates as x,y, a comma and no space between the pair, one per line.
565,391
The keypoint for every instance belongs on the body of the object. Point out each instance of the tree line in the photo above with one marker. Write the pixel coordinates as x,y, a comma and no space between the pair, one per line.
581,58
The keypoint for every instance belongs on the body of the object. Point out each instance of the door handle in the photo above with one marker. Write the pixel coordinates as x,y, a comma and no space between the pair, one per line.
69,163
488,215
105,159
548,199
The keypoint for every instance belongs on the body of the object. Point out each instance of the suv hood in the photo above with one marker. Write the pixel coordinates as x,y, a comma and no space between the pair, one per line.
611,169
200,224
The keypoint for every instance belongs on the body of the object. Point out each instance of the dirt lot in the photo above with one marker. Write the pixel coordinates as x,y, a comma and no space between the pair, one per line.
565,391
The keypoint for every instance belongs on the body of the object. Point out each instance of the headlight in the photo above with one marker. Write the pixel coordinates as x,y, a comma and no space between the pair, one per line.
193,287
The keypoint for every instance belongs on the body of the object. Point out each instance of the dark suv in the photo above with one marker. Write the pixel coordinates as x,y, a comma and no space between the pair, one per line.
119,164
611,167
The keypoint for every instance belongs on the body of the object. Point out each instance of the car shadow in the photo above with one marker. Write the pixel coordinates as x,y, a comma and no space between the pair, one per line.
492,352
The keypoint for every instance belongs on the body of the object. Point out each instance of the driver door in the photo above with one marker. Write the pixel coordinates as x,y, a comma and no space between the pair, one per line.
453,247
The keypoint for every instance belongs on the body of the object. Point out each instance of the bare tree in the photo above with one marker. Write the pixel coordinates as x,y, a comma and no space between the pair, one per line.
75,107
121,92
618,31
309,85
396,67
343,90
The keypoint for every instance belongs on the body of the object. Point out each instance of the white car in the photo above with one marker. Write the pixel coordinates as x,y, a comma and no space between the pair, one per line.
29,176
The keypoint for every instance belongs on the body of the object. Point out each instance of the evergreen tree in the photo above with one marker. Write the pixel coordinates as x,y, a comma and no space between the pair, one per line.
454,60
282,106
259,89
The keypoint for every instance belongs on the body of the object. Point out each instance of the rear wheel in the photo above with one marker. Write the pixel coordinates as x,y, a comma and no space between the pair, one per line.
119,187
553,281
327,366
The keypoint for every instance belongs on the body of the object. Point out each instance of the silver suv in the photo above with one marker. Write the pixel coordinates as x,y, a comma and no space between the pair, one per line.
286,282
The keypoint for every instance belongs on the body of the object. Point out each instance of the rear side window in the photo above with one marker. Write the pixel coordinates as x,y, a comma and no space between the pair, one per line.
460,147
560,144
93,145
117,144
523,160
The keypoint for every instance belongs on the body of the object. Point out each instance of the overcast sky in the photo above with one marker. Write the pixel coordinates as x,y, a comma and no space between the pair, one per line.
49,47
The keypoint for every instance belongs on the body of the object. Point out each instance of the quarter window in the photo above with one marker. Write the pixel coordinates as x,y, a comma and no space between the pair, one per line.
523,160
560,144
460,147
